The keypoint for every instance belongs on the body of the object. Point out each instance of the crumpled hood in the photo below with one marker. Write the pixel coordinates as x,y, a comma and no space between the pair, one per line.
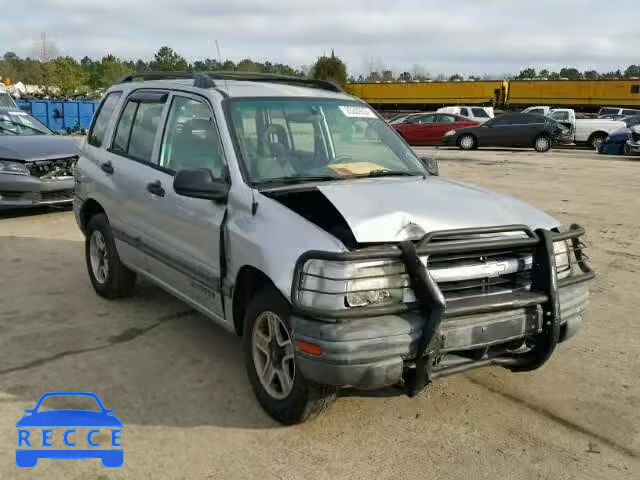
37,147
394,209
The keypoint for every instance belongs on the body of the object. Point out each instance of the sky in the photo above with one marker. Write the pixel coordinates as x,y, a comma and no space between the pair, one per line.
431,36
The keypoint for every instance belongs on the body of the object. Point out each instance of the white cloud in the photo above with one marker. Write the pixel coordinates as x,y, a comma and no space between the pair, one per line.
468,36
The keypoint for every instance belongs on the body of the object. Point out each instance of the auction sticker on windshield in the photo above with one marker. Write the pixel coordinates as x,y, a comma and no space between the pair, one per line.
355,111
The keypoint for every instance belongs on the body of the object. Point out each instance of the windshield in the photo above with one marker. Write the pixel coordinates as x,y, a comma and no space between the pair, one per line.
16,122
6,100
299,140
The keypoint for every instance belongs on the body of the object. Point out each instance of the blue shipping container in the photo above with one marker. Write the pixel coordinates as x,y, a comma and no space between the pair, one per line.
61,116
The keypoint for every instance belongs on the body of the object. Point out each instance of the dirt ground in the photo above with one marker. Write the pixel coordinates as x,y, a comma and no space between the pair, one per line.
178,384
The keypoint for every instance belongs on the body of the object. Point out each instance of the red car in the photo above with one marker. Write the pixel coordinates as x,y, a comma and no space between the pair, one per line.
429,128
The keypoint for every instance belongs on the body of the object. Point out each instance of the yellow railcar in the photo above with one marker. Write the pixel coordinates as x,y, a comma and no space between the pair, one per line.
590,94
430,94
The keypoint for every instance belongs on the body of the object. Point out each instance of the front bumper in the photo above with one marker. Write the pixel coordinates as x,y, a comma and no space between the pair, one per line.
373,352
17,191
634,147
516,330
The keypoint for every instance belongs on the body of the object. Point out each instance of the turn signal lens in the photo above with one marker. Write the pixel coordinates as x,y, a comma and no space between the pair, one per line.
309,348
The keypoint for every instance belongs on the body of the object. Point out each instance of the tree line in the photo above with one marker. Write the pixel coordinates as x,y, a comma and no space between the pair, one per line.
65,76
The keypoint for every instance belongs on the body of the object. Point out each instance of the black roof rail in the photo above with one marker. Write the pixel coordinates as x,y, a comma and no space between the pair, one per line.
273,78
207,79
201,80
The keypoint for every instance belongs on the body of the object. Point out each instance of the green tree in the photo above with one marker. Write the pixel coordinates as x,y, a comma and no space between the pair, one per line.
527,73
247,65
330,68
570,73
111,70
68,76
590,75
456,77
166,60
632,71
404,77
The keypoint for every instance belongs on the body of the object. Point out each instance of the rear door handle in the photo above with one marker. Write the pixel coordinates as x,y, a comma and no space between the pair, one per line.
107,167
156,188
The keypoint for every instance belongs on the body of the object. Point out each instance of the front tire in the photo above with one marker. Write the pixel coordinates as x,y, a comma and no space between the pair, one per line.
542,144
626,149
269,356
109,277
596,140
467,142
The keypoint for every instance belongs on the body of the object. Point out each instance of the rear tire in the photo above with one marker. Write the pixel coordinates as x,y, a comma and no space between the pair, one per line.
467,142
280,388
596,140
109,277
542,144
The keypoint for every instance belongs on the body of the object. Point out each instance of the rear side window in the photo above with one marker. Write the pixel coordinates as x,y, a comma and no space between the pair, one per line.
608,111
479,113
101,122
536,110
137,127
560,116
448,119
464,112
426,119
503,120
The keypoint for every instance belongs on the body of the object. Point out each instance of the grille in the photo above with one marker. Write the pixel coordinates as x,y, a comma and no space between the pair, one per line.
52,169
56,195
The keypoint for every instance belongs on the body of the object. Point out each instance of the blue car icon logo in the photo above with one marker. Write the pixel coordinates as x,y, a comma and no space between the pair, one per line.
33,446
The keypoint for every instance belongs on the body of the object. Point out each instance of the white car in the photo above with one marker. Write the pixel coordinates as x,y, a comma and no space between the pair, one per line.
479,114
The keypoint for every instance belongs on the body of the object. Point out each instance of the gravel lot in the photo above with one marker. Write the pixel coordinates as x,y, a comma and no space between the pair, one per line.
178,384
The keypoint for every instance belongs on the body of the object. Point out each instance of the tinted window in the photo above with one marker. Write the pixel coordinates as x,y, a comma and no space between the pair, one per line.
629,112
101,121
137,128
531,119
537,110
191,138
425,119
479,113
464,112
635,88
502,120
123,130
448,119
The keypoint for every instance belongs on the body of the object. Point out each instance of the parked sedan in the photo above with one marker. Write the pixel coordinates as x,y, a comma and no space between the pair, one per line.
429,128
509,130
36,166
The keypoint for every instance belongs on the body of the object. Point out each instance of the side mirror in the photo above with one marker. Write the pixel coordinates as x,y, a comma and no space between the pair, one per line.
200,184
431,164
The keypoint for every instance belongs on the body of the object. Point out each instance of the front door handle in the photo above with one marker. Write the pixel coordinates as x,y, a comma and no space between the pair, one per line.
155,188
107,167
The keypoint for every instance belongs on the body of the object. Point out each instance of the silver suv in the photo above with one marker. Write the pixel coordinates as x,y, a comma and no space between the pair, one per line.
290,213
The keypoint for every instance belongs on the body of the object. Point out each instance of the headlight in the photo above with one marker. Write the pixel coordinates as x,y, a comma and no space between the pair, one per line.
15,168
561,252
334,285
450,132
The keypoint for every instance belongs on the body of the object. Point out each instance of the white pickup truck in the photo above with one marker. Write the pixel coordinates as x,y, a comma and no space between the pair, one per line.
590,131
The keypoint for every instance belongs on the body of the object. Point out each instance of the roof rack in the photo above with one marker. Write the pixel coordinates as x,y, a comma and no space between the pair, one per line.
200,80
208,79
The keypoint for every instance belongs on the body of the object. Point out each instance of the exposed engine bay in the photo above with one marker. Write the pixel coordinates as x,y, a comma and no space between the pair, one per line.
60,168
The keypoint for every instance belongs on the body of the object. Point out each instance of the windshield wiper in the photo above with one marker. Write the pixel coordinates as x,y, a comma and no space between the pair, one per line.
299,178
390,173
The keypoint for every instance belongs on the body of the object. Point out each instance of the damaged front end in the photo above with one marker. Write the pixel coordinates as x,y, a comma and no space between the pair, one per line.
413,311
